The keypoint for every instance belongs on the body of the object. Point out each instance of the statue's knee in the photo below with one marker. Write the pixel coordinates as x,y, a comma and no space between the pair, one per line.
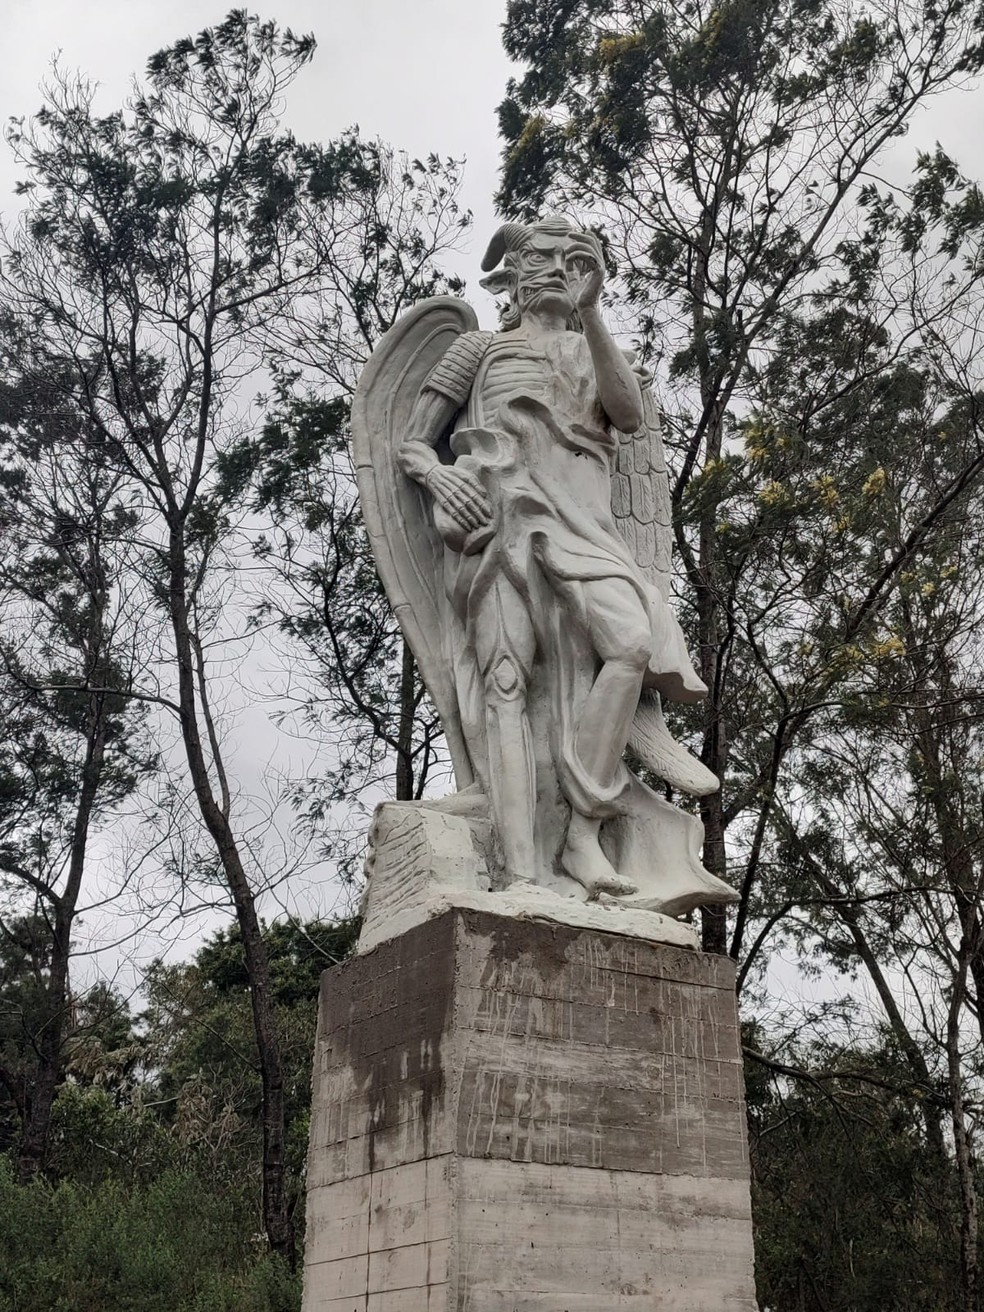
635,647
505,680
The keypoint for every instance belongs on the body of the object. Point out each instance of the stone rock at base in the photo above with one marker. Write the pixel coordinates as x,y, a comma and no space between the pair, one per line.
426,858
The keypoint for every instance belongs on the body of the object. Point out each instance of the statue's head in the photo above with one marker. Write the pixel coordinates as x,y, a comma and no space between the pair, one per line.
535,264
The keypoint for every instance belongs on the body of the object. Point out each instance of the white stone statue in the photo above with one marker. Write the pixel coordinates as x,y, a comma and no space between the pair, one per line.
515,492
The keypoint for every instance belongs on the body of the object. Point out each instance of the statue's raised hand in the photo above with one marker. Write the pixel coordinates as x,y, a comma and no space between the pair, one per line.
461,496
585,270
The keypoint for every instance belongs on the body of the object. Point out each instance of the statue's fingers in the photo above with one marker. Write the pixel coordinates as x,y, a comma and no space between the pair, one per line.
475,498
585,247
475,488
465,514
482,511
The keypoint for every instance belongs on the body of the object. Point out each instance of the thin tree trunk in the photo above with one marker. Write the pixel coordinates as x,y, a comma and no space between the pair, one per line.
932,1109
40,1090
404,752
963,1153
714,924
276,1208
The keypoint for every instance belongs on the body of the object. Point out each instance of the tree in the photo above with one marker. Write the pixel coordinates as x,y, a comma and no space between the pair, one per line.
74,744
202,1054
368,696
163,254
913,839
153,1187
723,148
851,1205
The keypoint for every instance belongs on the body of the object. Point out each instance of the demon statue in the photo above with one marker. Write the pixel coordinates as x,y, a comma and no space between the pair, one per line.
515,494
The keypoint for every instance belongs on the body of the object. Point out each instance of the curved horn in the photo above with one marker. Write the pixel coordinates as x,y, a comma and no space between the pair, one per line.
500,243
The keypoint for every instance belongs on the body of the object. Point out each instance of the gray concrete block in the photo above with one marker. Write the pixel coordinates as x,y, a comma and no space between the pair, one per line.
513,1116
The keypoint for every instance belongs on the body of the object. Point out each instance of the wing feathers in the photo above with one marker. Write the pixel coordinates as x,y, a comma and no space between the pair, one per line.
641,498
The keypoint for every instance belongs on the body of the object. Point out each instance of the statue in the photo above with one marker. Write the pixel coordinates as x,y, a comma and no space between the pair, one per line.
515,494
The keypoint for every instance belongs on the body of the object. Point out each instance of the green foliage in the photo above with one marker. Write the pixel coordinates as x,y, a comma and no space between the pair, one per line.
200,1046
98,1137
152,1191
298,956
177,1243
98,1046
853,1212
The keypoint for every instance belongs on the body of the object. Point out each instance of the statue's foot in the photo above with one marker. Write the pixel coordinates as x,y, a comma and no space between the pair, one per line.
585,862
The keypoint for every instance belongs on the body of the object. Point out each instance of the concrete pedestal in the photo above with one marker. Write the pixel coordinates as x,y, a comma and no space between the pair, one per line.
513,1117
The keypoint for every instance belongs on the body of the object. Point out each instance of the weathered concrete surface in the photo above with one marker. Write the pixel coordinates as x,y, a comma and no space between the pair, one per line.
511,1117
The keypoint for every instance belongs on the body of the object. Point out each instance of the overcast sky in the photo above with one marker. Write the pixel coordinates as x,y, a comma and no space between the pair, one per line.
425,75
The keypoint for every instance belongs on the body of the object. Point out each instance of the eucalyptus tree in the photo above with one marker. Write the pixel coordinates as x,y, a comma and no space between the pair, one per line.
74,743
165,252
724,148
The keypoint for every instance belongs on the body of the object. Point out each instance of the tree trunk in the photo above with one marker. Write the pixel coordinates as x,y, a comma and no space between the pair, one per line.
714,923
850,917
966,1184
276,1209
404,752
41,1090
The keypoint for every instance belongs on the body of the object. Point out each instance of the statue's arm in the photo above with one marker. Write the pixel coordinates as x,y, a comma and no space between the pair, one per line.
441,397
618,386
430,417
618,383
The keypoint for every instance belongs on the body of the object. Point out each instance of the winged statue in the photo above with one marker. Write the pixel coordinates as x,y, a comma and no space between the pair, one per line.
514,489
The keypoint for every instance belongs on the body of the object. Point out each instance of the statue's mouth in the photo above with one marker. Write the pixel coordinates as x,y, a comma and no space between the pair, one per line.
535,291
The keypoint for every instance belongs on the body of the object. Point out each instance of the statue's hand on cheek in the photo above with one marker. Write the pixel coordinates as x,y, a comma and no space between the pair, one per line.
585,272
461,496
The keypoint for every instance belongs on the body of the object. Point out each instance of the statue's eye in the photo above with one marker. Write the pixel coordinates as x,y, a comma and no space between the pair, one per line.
535,257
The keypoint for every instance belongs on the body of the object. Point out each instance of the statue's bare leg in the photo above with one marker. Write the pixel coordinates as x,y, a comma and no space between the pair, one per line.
512,783
505,647
620,632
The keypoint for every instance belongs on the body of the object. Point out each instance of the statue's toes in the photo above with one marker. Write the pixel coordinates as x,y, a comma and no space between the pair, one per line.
587,864
613,885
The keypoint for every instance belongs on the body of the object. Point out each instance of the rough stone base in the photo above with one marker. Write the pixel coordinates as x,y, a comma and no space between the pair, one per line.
424,860
516,1117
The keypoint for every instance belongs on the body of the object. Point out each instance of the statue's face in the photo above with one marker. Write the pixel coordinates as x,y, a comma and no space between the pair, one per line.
543,266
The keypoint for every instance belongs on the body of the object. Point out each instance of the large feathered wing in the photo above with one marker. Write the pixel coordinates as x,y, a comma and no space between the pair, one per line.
642,510
641,497
406,546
